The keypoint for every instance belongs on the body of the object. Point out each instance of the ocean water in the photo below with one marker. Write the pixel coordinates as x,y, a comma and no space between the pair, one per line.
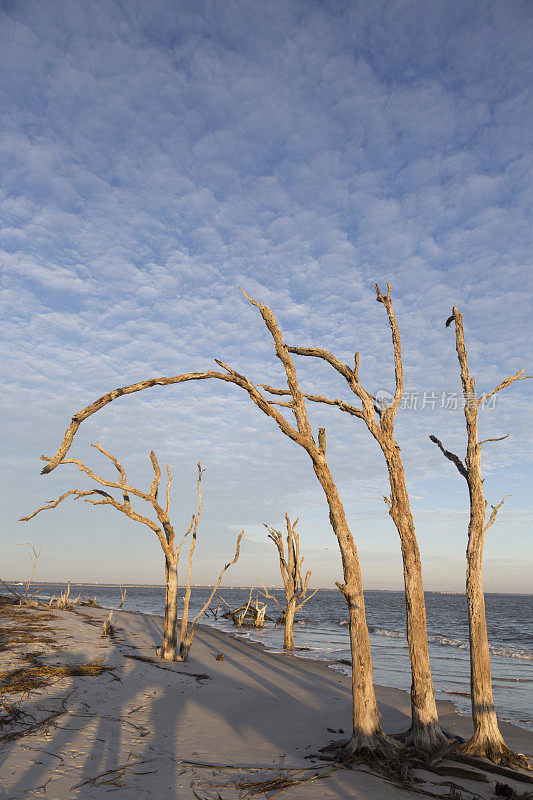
322,629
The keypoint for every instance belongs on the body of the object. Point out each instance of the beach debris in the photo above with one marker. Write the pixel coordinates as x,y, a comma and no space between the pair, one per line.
39,675
123,596
92,602
291,572
504,790
108,627
63,602
250,615
219,657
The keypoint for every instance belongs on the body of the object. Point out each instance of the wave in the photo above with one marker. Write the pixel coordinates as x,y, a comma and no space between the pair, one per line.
375,629
446,641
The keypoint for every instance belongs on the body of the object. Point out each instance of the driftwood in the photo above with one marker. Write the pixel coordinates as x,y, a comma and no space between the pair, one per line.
21,599
108,627
291,572
487,740
250,615
64,602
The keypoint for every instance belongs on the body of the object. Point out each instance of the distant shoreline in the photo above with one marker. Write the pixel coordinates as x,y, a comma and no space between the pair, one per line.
19,582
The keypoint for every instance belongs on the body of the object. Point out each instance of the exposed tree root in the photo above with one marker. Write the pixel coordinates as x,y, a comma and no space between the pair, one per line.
378,751
425,740
494,750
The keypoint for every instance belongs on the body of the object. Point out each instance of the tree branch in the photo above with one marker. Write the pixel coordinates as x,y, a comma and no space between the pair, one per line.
283,353
319,398
307,598
397,345
320,352
498,439
503,385
50,504
451,457
494,512
227,566
269,596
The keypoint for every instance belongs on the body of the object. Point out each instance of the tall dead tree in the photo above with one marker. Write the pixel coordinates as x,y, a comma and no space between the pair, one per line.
291,572
367,735
425,733
162,528
487,740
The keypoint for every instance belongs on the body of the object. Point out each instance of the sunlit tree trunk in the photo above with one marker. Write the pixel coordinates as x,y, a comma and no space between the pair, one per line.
487,740
170,625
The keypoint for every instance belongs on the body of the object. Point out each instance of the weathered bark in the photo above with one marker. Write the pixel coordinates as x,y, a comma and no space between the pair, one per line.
368,737
367,731
425,733
187,596
288,632
170,624
487,740
291,572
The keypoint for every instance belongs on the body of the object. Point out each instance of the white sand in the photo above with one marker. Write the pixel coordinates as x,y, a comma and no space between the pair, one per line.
139,725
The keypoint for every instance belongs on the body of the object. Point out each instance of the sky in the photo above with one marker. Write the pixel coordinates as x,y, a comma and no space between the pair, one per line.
155,157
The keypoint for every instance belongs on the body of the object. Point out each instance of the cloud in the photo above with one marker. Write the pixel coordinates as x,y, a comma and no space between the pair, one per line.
157,157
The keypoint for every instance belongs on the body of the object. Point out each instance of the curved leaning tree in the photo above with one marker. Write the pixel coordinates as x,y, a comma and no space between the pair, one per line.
487,740
367,737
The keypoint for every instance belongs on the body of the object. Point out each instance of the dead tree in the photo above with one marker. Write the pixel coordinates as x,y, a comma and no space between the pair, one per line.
162,528
367,737
187,633
487,740
425,733
291,573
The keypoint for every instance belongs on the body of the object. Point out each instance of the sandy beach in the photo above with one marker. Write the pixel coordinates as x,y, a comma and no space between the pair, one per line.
206,729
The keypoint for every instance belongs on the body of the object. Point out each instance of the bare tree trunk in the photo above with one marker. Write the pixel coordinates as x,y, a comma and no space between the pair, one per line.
367,736
185,644
170,628
288,635
425,732
185,619
487,740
